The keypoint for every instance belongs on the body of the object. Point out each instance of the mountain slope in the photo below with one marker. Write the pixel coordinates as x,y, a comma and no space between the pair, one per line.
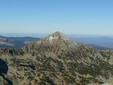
57,60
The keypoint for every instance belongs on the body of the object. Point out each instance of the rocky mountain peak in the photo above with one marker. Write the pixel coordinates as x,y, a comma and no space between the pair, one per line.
55,43
57,36
56,40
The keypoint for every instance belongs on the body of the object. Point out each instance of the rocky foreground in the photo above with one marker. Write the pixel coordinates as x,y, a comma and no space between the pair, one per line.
56,60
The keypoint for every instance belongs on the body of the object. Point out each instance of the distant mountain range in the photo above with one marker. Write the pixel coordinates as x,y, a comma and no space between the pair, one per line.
97,42
101,43
15,42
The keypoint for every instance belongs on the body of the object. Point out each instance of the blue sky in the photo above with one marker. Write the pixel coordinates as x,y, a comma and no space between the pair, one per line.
87,17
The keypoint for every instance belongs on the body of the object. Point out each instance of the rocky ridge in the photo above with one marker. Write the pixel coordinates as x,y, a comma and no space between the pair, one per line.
56,60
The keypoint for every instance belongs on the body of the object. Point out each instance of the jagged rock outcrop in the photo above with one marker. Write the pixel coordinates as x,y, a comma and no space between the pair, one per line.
3,72
57,60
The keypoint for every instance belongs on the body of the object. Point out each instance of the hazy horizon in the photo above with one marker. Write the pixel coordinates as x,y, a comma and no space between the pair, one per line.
42,35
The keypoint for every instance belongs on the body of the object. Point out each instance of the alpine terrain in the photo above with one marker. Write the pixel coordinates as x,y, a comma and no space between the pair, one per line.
56,60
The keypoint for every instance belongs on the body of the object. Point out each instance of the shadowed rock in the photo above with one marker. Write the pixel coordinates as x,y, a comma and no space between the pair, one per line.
3,67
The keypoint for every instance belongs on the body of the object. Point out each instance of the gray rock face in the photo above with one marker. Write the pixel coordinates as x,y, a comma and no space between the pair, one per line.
57,60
